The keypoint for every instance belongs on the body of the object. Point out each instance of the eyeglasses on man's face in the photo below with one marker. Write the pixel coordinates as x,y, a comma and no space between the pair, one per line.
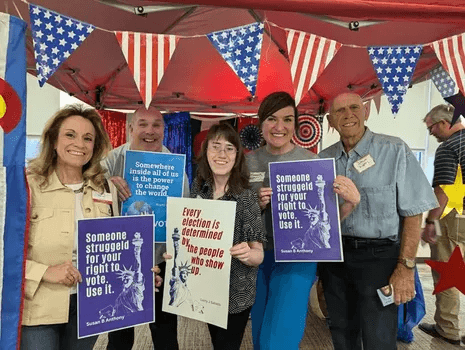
430,128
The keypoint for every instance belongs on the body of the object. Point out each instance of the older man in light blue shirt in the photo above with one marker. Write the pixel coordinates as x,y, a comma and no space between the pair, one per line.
380,235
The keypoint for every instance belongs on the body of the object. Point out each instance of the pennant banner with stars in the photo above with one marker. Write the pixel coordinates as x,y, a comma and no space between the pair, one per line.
241,48
443,82
449,91
451,54
309,55
55,37
394,66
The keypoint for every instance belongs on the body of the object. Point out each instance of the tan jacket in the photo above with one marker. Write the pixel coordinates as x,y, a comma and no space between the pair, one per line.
51,242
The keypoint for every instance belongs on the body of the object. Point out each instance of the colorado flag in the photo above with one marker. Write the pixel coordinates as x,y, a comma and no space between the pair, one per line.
13,193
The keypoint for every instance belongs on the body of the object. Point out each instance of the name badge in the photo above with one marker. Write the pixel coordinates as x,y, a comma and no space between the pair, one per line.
102,197
364,163
257,176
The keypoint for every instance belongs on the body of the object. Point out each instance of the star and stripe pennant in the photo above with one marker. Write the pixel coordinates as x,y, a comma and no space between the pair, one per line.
443,82
394,66
55,37
241,48
148,56
309,55
449,91
450,52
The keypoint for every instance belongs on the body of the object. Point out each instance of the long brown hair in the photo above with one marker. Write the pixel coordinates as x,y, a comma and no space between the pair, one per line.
239,177
45,164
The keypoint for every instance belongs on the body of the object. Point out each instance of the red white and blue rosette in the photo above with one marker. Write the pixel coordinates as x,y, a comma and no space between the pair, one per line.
251,137
308,132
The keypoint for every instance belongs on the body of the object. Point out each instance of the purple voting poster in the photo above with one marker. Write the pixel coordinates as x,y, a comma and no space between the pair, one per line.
305,211
115,257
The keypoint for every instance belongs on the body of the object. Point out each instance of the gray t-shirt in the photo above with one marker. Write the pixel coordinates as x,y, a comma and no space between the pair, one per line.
114,163
257,162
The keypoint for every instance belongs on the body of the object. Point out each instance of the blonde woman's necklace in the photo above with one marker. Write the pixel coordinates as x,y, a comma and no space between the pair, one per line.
79,190
76,188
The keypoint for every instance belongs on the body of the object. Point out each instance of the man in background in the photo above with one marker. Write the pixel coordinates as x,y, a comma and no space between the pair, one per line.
146,132
450,155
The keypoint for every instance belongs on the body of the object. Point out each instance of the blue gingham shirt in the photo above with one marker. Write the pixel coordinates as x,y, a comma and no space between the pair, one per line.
393,188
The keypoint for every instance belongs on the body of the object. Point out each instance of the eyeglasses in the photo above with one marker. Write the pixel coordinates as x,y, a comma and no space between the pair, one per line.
228,149
431,127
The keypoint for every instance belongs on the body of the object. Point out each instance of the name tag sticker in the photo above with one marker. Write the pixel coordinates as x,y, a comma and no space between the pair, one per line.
256,176
364,163
102,197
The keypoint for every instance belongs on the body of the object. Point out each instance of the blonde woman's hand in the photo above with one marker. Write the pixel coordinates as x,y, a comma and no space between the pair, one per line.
64,273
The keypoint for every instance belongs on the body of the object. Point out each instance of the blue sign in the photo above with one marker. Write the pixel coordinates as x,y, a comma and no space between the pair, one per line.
151,178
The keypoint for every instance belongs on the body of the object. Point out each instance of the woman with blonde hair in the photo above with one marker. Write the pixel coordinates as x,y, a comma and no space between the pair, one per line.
66,183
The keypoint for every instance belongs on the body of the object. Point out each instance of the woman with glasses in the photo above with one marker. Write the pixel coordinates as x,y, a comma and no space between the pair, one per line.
283,288
222,174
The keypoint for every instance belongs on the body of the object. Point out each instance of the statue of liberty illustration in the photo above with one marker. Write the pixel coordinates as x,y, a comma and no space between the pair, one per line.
131,296
179,291
318,233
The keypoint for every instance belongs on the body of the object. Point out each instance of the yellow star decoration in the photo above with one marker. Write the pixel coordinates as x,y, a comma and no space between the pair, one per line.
455,193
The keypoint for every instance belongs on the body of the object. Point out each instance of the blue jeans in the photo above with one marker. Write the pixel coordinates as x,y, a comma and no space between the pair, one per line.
62,336
356,314
280,310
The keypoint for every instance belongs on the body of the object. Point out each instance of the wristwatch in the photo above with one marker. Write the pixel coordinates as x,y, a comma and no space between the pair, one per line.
408,263
429,222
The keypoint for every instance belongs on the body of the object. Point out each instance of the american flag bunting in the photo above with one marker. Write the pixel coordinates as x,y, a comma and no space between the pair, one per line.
394,66
148,56
450,52
309,55
241,48
443,82
55,37
449,91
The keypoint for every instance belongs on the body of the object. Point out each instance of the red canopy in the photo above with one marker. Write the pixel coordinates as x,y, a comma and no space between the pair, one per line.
198,79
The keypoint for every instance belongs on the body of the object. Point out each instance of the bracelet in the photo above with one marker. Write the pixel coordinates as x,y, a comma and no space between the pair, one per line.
429,222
